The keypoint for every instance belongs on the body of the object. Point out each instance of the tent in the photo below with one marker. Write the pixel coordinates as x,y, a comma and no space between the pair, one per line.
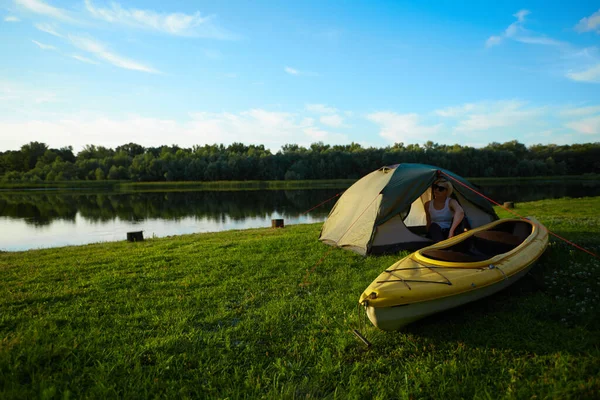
384,211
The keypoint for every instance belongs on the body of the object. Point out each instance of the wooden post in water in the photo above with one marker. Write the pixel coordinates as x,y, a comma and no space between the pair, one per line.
509,204
135,236
277,223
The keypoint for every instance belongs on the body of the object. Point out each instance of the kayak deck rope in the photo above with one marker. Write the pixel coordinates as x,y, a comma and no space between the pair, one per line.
517,214
432,268
401,279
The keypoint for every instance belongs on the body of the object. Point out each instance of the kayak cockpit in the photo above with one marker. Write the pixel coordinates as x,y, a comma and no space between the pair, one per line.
482,245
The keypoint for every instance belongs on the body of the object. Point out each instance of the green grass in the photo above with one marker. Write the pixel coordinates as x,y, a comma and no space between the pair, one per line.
224,315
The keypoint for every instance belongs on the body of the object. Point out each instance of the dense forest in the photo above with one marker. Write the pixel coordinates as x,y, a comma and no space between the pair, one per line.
36,162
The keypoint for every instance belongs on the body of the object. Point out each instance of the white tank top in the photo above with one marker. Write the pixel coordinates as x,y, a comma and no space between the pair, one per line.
441,217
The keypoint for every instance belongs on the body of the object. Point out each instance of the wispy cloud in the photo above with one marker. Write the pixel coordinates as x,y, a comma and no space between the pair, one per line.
21,94
493,41
83,59
517,32
403,127
48,28
44,46
102,53
297,72
487,121
11,18
320,109
584,119
591,23
578,64
255,126
591,74
456,111
588,126
39,7
179,24
499,114
333,120
580,111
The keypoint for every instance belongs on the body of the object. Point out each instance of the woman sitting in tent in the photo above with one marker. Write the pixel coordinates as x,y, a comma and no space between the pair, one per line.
444,214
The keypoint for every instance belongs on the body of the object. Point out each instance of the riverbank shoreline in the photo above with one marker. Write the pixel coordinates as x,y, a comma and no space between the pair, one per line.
124,186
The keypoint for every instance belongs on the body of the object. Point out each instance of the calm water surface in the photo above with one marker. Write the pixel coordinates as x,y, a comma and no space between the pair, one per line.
40,219
37,219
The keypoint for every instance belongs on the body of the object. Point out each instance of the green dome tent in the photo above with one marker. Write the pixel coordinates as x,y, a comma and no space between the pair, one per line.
384,211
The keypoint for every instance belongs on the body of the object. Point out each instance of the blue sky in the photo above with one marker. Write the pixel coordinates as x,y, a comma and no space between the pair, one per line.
275,72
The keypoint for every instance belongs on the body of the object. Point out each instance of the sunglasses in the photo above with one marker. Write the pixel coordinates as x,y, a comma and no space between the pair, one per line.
437,187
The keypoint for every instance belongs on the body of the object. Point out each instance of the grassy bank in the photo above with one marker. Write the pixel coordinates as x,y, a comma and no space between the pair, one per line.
223,315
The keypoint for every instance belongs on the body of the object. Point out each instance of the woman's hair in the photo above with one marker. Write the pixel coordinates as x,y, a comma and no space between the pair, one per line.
446,184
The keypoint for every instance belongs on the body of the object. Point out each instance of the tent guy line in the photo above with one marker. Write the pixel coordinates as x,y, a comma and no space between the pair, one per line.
522,217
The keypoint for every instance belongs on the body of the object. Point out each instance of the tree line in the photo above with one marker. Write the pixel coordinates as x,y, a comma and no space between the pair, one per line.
37,162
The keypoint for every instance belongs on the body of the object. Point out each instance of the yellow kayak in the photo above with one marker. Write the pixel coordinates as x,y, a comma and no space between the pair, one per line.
464,268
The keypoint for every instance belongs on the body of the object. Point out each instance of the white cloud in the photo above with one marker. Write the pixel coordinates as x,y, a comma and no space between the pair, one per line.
521,15
98,50
23,95
11,18
517,32
44,46
333,120
178,24
255,126
84,59
403,127
591,74
259,126
297,72
48,28
588,126
453,112
316,134
491,115
591,23
39,7
493,41
580,111
321,109
539,40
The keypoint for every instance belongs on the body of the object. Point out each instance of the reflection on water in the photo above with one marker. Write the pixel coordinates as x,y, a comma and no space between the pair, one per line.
41,219
34,220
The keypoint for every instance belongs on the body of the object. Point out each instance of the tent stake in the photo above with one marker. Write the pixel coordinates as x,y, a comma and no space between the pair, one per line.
361,337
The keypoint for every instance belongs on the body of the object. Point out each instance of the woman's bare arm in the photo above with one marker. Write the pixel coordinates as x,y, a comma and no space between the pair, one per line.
459,214
427,215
